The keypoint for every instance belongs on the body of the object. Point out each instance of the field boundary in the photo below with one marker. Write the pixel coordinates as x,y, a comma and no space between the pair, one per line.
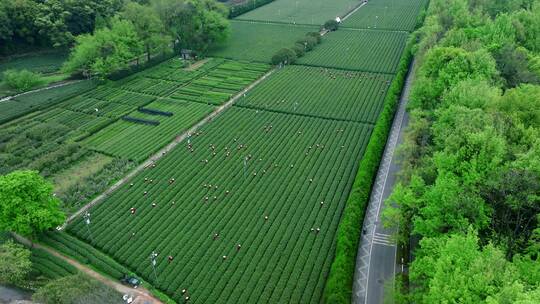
7,98
159,154
251,107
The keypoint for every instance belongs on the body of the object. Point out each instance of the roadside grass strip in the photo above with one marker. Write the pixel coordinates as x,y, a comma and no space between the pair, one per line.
359,50
321,92
272,209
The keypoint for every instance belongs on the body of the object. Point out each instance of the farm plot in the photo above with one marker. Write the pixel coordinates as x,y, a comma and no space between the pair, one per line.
258,41
198,206
137,141
111,94
221,83
174,70
314,12
27,103
387,14
328,93
362,50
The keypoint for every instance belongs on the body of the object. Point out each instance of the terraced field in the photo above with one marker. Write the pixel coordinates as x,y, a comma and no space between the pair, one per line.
321,92
294,163
360,50
387,14
259,41
314,12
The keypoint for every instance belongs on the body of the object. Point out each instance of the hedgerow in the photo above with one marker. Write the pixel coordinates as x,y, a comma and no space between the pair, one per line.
338,288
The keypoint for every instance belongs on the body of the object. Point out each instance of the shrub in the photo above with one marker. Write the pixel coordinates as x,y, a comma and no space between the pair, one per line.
299,50
22,80
308,42
315,35
331,25
284,56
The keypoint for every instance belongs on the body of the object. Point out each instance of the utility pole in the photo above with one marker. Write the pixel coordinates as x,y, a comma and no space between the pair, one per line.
153,257
86,217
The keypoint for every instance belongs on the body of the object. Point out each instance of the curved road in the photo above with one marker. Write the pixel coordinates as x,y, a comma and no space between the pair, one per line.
376,258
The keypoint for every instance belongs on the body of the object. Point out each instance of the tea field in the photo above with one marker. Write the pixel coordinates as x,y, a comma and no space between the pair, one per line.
138,141
282,208
247,208
256,41
313,12
321,92
387,14
360,50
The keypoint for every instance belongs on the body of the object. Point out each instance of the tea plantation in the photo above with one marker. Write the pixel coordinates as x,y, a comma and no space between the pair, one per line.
247,208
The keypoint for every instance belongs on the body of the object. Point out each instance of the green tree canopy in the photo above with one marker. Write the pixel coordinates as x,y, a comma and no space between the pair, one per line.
15,263
148,26
106,51
27,204
77,289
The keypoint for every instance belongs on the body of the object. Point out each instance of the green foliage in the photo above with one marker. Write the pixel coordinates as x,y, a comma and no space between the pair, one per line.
471,157
284,56
77,288
27,204
338,288
15,263
331,25
513,65
22,80
444,267
444,67
194,24
148,26
50,266
106,51
32,23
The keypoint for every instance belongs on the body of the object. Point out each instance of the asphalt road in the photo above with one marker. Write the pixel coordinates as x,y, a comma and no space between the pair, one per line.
376,258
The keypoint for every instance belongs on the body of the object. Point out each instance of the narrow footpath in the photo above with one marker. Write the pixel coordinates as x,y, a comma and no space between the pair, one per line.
376,258
140,294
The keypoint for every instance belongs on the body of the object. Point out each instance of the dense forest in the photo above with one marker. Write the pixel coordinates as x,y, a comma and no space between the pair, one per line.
469,199
107,36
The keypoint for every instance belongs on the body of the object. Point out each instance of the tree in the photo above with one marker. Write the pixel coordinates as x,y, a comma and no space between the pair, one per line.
15,263
76,289
27,204
22,80
284,56
331,25
105,52
514,66
148,26
454,269
194,24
